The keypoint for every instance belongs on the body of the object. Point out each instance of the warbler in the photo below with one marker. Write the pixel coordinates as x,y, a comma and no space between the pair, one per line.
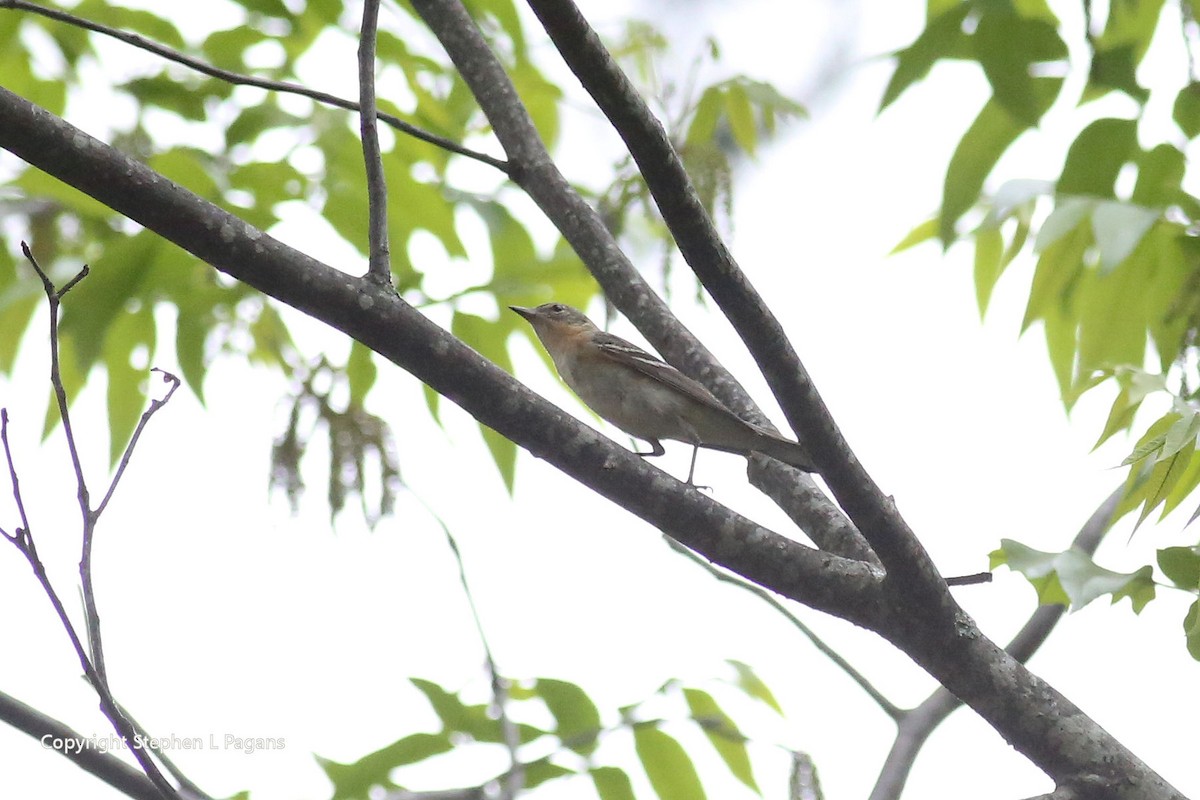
643,395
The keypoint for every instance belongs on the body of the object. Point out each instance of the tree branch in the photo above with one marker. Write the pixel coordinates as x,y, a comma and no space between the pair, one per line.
105,766
914,726
873,514
394,329
239,79
925,624
380,266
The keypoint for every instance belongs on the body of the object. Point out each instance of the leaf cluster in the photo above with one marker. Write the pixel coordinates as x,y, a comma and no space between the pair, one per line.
570,744
1113,235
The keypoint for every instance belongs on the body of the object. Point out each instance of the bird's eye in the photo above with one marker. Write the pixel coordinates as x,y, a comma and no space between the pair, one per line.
557,308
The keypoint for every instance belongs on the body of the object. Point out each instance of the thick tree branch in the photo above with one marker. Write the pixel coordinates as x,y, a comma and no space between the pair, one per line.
534,171
873,513
914,726
1028,712
105,766
389,326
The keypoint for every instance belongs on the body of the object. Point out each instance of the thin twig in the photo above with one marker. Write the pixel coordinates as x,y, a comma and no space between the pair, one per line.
90,658
154,406
514,776
20,536
238,79
379,269
888,707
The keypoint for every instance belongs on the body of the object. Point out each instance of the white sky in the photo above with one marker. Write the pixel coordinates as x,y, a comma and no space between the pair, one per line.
223,614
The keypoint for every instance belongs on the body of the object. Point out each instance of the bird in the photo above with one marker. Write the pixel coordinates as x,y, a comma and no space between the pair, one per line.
646,397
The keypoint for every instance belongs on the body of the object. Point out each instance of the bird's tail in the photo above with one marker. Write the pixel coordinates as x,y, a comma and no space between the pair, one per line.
785,450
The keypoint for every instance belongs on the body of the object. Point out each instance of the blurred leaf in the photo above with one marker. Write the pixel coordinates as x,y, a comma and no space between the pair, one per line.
577,720
1114,68
152,26
1186,112
942,37
922,233
667,765
129,333
724,735
1008,46
1119,228
489,339
355,781
612,783
989,250
988,137
1037,566
1191,629
1096,156
751,684
360,372
741,119
544,770
1181,565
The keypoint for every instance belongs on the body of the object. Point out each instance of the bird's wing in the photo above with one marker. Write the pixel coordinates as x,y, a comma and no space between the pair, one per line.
635,357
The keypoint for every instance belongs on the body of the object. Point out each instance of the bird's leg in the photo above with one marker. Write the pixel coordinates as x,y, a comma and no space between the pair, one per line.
692,468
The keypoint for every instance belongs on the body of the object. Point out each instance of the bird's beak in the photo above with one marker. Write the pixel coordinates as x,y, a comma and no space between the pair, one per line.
527,313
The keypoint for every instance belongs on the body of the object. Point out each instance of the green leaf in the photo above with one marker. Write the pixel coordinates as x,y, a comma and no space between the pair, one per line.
1066,217
749,682
1167,472
943,37
1096,157
1160,176
741,119
355,781
1131,25
360,372
1186,112
1037,567
544,770
1191,629
1181,565
130,332
612,783
988,137
724,735
1007,47
667,765
457,717
1084,580
1057,268
489,339
152,26
577,721
703,126
922,233
989,250
1114,68
169,94
1119,228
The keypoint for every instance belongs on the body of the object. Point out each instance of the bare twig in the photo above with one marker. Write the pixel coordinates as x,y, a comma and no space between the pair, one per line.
91,658
154,406
239,79
380,269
